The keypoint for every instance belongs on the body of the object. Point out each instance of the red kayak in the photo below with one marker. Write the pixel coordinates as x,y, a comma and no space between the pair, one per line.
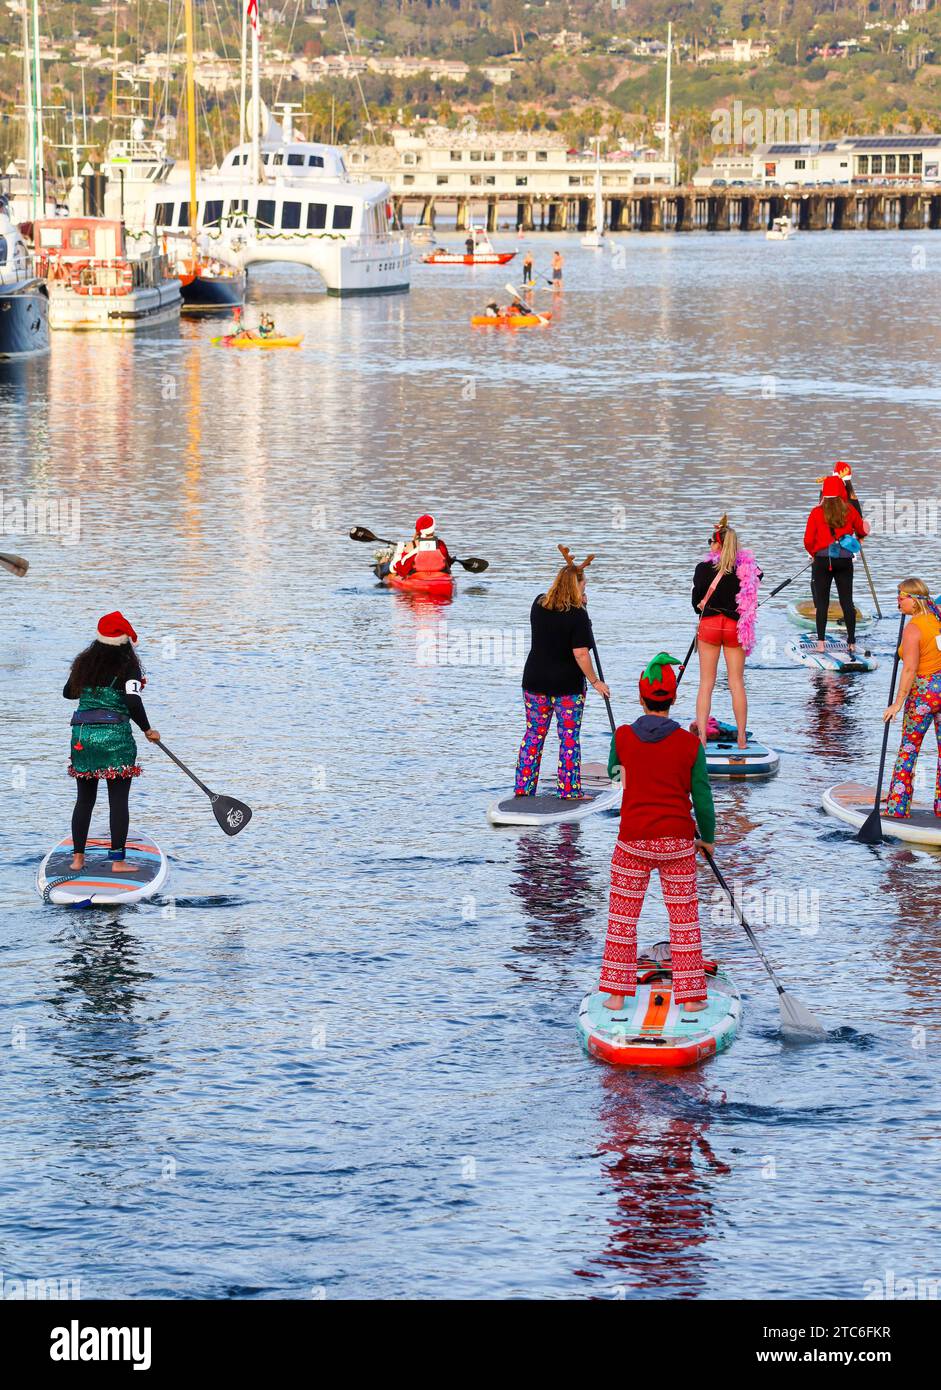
463,258
437,585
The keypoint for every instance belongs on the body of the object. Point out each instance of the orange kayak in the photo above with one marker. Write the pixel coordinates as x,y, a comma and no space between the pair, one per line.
509,320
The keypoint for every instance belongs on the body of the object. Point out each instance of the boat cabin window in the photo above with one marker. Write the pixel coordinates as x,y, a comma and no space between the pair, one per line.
238,206
3,250
277,157
184,217
212,212
265,213
239,158
290,215
342,217
315,161
79,239
163,214
295,159
316,216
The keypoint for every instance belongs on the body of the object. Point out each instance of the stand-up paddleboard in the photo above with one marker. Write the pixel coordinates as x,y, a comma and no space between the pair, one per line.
852,803
599,793
652,1030
804,614
836,656
96,885
724,758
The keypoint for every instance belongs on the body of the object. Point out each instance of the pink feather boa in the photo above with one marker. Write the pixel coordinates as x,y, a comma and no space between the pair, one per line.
746,568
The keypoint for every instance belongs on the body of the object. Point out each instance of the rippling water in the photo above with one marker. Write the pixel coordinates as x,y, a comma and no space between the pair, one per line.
340,1056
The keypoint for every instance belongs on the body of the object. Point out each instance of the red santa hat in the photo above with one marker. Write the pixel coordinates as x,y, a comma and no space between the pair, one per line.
843,470
425,525
658,679
834,487
114,630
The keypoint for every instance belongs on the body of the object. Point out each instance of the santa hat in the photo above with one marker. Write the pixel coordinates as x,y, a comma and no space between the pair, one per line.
114,630
843,470
834,487
425,525
658,680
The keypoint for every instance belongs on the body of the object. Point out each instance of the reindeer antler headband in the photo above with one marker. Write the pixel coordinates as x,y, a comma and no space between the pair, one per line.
572,564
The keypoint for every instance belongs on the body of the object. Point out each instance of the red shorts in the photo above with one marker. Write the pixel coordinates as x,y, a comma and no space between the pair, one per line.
719,631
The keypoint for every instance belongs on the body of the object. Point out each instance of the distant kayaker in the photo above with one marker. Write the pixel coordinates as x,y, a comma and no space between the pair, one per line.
266,326
424,553
725,594
919,693
663,770
469,245
554,676
102,743
831,536
528,268
493,309
557,270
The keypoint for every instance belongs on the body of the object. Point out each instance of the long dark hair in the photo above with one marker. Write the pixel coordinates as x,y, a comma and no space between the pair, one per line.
101,663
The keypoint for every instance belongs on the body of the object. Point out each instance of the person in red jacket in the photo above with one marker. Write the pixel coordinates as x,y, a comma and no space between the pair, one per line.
424,552
831,536
663,768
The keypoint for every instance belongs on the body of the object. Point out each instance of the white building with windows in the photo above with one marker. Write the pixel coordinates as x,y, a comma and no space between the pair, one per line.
855,159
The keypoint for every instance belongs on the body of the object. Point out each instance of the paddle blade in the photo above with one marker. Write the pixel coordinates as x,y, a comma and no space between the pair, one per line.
232,815
870,832
475,565
798,1023
362,533
15,564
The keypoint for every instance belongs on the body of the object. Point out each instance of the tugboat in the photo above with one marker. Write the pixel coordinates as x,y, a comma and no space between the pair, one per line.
24,300
479,252
92,281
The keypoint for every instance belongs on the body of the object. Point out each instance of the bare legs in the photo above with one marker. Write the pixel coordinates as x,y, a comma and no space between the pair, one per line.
708,666
735,669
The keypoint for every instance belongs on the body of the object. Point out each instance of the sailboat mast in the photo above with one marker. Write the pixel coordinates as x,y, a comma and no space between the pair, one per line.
599,201
256,104
38,152
28,113
191,120
666,119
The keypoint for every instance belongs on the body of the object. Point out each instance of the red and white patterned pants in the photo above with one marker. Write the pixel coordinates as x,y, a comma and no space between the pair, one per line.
631,867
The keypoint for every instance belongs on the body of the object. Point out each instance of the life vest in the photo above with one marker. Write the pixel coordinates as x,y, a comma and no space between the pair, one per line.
428,557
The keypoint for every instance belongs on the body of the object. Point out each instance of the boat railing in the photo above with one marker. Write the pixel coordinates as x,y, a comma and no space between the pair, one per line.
104,275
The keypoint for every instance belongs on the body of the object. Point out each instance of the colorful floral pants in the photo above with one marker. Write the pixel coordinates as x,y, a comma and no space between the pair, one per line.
922,709
631,867
568,716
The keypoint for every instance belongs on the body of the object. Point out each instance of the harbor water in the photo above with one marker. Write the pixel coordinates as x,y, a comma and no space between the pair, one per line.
338,1058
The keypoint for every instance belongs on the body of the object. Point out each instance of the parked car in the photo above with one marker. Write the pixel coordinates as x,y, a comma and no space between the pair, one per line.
737,183
718,183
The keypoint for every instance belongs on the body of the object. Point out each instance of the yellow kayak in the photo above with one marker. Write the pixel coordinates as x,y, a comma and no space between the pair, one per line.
232,340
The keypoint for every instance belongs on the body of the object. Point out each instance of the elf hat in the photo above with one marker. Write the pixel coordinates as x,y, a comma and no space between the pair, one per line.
658,679
425,525
114,630
834,487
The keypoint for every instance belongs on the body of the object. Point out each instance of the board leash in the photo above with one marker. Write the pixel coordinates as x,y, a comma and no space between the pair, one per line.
55,882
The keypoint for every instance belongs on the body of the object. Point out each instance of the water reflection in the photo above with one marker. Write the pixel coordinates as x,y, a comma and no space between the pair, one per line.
557,885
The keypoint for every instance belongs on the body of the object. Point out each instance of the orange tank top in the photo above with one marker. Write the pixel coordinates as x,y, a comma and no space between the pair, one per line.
929,636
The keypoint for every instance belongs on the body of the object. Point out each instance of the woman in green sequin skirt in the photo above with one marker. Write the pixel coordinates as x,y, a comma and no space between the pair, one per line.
106,679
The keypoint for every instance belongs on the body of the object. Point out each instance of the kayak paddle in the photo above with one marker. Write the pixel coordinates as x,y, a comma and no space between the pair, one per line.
15,564
232,815
796,1021
511,289
472,564
870,832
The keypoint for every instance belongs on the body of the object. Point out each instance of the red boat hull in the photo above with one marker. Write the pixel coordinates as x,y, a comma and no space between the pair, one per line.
424,585
456,258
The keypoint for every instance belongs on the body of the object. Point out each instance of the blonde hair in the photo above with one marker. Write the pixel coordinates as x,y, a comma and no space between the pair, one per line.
918,590
727,541
565,591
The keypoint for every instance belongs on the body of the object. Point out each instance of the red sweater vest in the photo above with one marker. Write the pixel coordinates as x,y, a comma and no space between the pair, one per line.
656,801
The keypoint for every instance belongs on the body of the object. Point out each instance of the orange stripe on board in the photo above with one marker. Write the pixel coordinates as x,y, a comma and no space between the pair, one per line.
96,883
656,1015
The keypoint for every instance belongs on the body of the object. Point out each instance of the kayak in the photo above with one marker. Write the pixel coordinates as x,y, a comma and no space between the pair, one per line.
230,340
462,258
835,657
852,803
96,885
599,794
804,614
652,1030
724,758
508,320
439,585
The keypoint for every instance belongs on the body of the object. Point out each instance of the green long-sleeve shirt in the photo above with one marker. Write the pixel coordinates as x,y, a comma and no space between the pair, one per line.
700,790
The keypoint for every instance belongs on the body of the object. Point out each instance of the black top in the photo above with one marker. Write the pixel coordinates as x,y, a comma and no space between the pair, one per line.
550,668
724,595
135,707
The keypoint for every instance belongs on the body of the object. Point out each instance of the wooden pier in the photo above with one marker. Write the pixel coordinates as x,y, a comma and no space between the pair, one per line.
836,207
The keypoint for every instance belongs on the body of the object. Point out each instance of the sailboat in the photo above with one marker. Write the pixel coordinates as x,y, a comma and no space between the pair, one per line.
24,300
208,284
594,240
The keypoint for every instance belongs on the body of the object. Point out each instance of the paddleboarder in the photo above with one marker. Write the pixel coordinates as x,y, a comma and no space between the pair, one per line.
554,677
106,679
919,693
725,594
424,553
528,268
663,771
557,270
831,537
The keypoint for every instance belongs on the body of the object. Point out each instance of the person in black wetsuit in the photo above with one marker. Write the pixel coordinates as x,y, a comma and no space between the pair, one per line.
106,679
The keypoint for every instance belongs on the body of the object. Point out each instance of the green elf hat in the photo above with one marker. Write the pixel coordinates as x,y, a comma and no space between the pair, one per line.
658,681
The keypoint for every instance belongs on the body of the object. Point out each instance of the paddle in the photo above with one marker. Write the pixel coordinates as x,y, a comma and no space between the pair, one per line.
511,289
795,1019
232,815
472,564
870,832
786,582
851,494
15,564
607,699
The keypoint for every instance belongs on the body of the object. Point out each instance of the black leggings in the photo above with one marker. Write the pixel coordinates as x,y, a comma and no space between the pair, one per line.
824,572
86,788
